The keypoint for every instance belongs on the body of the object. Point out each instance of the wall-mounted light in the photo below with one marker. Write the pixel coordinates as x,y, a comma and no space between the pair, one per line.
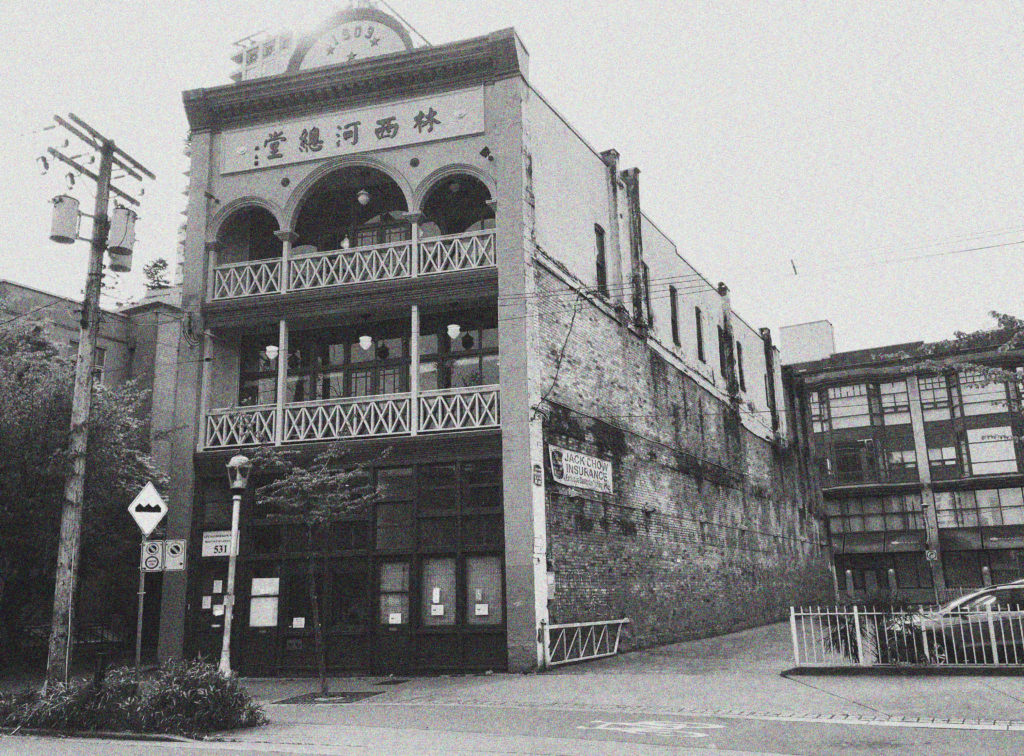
271,351
454,329
363,197
365,342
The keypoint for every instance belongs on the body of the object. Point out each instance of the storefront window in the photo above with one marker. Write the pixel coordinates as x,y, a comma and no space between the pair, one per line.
394,593
483,591
437,607
394,527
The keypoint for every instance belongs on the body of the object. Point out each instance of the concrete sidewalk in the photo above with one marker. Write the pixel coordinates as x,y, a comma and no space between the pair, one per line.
730,674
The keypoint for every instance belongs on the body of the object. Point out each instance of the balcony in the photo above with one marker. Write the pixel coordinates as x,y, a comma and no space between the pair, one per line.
377,262
385,415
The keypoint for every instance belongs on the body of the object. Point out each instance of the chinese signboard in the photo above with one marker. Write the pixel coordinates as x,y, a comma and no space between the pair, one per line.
572,468
426,119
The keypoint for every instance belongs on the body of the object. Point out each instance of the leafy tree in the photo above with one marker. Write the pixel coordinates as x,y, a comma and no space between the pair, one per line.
35,410
314,494
156,275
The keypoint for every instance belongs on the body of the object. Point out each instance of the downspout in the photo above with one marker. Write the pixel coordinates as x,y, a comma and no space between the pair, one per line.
631,178
614,250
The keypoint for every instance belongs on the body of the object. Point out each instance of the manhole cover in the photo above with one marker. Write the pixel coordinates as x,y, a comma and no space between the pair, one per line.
392,681
328,699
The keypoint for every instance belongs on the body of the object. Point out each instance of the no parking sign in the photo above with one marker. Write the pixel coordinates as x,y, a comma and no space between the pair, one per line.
152,556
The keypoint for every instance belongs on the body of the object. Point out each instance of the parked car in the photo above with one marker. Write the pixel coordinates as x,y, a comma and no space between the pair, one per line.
982,627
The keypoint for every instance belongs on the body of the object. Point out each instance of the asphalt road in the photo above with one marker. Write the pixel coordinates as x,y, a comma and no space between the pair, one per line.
429,730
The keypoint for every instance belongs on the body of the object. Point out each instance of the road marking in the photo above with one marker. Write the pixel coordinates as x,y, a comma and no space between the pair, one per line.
654,727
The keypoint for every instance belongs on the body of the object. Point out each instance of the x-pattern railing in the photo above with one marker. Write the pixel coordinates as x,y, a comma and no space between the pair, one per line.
240,426
580,641
346,266
348,418
443,254
459,409
379,262
247,279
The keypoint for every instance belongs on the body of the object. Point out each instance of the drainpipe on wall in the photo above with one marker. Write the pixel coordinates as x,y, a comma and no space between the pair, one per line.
769,369
614,249
728,344
631,178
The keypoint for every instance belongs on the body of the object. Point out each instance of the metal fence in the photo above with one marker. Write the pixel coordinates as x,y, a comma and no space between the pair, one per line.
872,637
581,641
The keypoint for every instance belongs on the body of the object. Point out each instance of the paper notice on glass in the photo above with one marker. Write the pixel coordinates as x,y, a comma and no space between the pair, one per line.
265,586
218,610
436,595
437,610
482,610
298,623
395,618
263,611
218,586
479,594
207,602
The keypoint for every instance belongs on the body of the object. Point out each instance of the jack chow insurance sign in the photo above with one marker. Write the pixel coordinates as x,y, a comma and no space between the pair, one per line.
579,470
425,119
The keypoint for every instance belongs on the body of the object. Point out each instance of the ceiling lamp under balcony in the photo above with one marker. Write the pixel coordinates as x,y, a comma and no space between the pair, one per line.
454,329
363,197
271,351
365,342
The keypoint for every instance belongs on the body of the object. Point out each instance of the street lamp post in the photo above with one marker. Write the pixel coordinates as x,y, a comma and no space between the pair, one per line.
238,478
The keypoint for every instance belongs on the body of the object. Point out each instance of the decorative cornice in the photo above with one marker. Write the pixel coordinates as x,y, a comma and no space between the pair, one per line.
481,60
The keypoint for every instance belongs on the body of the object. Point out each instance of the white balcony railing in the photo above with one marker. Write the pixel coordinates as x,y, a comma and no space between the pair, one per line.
240,426
316,270
247,279
362,417
378,262
357,417
459,409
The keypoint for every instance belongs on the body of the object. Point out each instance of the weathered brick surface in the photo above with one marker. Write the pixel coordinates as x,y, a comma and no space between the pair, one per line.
708,529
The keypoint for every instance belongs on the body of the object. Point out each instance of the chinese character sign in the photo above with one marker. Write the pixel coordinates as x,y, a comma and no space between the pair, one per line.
398,124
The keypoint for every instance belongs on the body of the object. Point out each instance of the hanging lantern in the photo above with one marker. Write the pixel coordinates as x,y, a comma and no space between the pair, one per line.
64,224
238,472
363,197
383,352
454,329
271,351
121,239
365,342
467,340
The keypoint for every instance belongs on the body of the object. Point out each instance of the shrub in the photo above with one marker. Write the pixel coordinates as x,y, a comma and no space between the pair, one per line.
184,698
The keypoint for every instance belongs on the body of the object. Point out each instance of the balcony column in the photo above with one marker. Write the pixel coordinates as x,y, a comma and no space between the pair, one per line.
414,371
414,219
288,238
204,390
282,380
212,250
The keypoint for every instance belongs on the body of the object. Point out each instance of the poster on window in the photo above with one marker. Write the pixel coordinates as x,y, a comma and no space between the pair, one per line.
571,468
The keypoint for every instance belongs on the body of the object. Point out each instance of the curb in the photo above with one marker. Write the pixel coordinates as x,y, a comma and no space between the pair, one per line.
97,734
905,671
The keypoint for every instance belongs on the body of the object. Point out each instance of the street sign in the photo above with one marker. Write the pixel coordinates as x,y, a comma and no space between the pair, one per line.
174,555
931,555
216,543
148,508
152,556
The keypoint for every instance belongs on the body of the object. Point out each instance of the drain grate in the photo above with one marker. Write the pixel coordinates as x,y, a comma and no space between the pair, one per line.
327,700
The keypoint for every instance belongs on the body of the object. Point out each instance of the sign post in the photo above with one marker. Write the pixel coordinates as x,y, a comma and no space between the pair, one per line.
148,509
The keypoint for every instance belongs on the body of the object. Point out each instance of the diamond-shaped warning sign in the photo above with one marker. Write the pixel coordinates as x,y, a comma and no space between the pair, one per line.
148,509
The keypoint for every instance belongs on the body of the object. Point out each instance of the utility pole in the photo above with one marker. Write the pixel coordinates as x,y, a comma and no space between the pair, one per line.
58,660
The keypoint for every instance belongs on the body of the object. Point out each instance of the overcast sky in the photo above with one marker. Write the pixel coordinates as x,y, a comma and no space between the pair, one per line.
837,139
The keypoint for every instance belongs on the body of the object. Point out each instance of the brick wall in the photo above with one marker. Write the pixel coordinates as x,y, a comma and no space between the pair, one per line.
708,529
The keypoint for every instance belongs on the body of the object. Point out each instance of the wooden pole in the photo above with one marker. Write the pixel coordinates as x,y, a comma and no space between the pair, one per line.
58,660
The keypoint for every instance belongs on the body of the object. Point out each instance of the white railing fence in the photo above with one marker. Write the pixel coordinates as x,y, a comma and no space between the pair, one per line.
581,641
833,636
375,262
361,417
240,426
475,407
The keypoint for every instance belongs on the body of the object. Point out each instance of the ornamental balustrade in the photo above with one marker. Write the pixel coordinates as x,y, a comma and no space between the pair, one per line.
240,426
340,267
442,410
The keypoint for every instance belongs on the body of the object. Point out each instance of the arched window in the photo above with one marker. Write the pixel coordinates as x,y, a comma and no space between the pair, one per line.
352,207
248,234
455,205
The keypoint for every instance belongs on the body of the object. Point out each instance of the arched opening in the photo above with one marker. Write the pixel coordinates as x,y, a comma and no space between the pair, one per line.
248,234
352,207
455,205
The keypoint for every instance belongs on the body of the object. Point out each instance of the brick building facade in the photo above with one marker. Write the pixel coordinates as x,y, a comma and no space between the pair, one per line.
415,252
